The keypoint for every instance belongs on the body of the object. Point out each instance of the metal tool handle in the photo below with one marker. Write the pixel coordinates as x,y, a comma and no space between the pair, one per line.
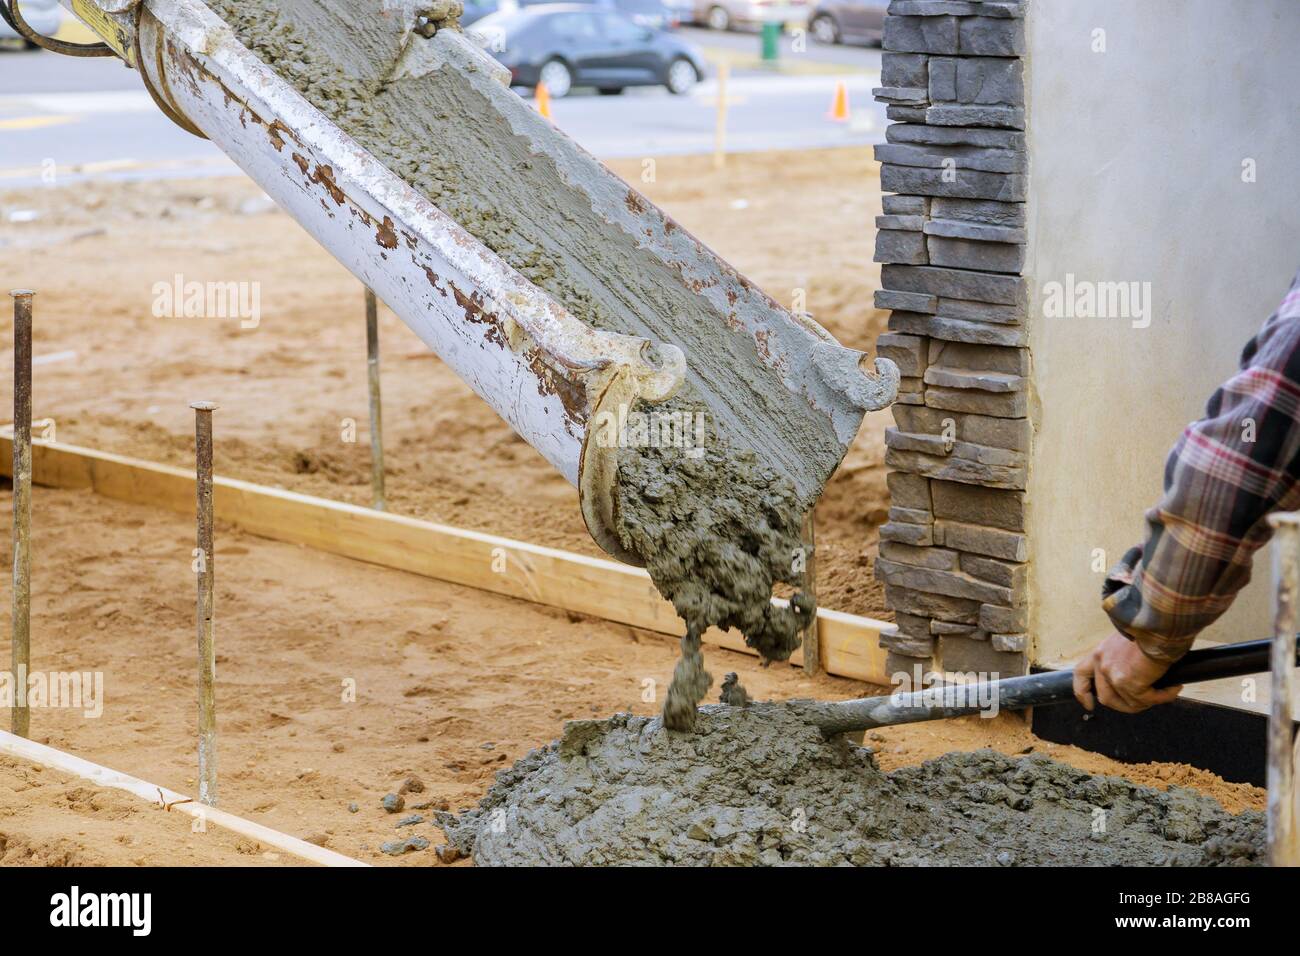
1017,693
1212,663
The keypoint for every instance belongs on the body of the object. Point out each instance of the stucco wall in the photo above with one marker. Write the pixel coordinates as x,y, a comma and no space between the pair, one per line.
1136,174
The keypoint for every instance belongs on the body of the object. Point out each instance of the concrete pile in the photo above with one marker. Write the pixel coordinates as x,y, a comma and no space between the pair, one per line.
757,786
952,237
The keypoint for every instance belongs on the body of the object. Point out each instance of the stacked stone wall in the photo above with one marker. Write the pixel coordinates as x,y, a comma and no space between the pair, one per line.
952,242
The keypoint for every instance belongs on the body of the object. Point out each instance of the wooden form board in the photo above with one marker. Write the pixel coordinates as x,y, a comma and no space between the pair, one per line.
30,750
849,643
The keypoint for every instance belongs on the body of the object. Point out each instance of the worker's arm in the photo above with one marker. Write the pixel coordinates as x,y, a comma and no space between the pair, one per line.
1225,475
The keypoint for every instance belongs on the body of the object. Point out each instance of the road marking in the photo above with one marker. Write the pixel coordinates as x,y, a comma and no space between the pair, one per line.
90,101
37,122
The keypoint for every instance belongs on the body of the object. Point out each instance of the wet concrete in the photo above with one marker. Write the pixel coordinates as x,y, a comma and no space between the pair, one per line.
757,786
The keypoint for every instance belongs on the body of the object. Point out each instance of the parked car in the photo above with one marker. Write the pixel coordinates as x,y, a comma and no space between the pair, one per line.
681,11
729,14
654,14
568,44
838,21
43,16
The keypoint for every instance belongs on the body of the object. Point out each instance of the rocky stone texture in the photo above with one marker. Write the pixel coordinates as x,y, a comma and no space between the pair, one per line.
952,243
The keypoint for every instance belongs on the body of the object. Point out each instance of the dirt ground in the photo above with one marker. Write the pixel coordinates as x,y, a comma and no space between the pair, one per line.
451,685
48,818
94,254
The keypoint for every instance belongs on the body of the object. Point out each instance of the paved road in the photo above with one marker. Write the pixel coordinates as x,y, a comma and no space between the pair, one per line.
90,117
852,57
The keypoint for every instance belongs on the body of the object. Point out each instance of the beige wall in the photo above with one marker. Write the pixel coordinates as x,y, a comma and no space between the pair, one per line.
1136,160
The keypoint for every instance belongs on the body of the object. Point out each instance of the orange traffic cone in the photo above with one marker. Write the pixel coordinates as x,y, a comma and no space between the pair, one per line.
543,100
840,105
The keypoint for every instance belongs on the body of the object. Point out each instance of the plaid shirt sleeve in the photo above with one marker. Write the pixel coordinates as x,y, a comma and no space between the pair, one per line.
1225,475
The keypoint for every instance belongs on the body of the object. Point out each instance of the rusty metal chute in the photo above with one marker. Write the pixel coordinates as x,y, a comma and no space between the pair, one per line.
545,372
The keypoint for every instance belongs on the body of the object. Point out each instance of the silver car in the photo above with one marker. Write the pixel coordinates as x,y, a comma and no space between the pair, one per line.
849,21
728,14
43,16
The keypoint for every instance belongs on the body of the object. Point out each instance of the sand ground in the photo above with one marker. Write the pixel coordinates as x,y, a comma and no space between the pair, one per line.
338,681
287,386
449,684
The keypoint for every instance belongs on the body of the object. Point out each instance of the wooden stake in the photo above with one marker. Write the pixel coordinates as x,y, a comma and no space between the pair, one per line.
20,719
1283,827
812,652
206,570
376,410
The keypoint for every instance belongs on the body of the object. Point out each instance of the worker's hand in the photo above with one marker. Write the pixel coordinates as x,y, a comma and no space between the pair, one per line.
1118,674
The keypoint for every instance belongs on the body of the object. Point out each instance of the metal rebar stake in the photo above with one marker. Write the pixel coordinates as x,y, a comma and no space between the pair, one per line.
376,409
21,644
1283,827
206,586
812,648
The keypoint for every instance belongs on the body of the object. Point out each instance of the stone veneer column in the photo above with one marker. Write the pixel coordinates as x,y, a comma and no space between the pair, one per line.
952,240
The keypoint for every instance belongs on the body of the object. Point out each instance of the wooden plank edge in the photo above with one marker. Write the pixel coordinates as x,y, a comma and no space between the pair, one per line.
598,587
45,756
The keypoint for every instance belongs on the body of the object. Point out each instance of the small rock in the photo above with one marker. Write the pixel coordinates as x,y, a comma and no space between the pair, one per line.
413,819
394,803
353,808
412,785
318,839
398,847
447,853
1006,858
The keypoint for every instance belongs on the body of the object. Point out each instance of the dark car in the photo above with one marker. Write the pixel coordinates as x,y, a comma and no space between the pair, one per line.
567,44
839,21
